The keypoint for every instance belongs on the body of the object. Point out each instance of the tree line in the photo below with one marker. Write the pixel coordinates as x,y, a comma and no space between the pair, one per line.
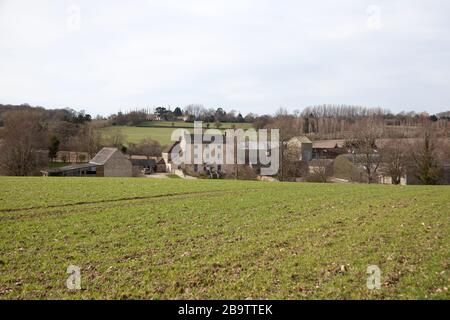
368,155
30,136
189,113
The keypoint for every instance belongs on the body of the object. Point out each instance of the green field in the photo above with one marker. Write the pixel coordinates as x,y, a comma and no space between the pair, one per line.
159,130
137,134
201,239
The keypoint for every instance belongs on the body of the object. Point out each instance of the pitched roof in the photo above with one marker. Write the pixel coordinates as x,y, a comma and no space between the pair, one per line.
328,144
160,160
70,168
103,155
139,157
168,148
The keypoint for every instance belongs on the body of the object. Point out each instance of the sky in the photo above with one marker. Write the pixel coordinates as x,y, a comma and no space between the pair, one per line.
248,55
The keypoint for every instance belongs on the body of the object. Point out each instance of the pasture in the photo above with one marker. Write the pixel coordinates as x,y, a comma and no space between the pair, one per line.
203,239
160,130
137,134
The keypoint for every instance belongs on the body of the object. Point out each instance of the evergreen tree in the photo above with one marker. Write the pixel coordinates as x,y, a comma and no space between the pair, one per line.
306,125
177,112
428,169
53,147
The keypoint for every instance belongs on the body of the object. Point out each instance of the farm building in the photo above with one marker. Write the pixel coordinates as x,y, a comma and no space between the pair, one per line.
187,145
211,160
112,163
301,147
109,162
160,165
167,155
328,149
148,165
76,170
143,164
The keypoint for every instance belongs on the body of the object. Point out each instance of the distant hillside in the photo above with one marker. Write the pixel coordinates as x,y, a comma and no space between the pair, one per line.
61,114
190,125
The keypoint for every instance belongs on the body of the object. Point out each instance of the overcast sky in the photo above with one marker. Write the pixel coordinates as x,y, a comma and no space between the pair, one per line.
247,55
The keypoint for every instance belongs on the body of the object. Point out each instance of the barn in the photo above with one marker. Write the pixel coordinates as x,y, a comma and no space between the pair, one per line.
109,162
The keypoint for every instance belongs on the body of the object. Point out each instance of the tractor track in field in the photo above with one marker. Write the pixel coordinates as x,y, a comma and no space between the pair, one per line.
106,201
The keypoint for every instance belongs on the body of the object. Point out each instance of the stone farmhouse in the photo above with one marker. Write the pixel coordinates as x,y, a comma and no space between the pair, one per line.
213,162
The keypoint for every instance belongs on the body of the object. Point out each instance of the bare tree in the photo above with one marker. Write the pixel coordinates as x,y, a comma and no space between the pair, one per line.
88,140
396,157
320,171
147,147
23,137
195,110
365,148
116,138
288,125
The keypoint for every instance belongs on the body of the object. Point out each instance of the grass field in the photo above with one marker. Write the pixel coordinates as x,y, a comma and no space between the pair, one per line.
137,134
159,130
166,239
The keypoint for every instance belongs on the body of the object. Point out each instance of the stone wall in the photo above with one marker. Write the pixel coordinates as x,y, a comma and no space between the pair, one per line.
118,166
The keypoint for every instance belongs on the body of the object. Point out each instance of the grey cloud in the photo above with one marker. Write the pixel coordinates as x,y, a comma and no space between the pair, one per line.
249,55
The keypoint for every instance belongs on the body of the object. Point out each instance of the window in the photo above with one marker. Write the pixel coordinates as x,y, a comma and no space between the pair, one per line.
195,167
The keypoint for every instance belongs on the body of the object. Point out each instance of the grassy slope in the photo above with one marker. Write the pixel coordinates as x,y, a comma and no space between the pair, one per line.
136,134
143,238
156,130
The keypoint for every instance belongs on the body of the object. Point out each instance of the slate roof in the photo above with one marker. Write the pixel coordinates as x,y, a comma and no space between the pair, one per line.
70,168
103,156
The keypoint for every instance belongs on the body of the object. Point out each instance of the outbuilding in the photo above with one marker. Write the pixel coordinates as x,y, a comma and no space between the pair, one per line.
109,162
